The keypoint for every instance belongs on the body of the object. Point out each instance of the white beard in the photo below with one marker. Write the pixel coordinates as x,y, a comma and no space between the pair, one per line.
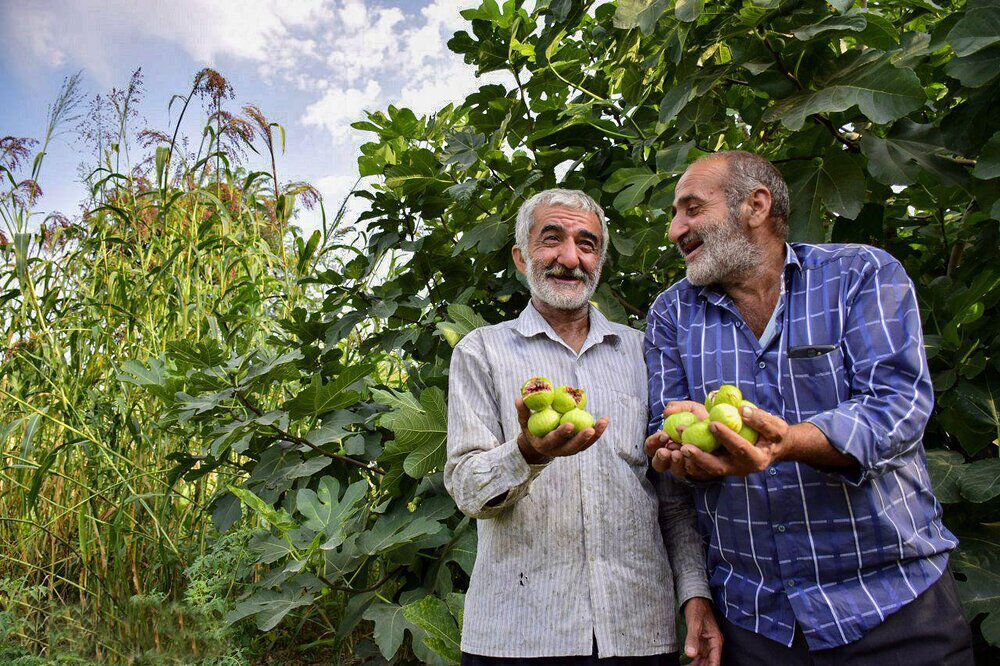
559,297
726,252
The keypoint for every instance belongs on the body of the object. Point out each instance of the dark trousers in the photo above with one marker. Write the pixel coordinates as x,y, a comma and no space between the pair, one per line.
591,660
928,631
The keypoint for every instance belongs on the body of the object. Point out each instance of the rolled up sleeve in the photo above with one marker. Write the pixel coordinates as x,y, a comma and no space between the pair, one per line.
890,385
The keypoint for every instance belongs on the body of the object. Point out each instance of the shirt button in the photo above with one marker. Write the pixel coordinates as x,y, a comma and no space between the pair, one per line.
781,528
762,365
772,471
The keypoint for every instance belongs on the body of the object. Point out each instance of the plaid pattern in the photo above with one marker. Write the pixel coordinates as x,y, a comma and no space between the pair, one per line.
833,552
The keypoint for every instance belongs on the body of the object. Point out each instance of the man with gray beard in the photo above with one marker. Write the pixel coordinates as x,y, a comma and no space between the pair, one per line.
584,553
825,542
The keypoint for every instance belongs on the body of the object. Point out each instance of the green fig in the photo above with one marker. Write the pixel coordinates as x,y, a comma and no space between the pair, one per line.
566,398
748,433
728,395
672,422
710,400
543,422
537,393
579,419
698,434
727,415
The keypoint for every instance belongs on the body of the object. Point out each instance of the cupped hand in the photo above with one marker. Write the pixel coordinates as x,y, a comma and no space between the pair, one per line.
562,441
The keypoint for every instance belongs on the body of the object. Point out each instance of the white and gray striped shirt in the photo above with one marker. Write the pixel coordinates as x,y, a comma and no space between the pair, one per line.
584,546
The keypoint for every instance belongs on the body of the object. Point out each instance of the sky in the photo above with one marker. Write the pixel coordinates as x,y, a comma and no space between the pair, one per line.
314,66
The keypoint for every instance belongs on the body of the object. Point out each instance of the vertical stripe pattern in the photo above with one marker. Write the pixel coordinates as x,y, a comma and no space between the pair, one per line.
588,545
832,552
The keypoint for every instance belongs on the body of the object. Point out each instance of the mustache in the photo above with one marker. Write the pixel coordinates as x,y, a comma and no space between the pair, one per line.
556,270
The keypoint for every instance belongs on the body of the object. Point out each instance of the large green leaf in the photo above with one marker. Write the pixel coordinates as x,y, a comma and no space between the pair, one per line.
642,14
319,398
673,102
980,481
945,468
396,529
487,236
976,69
881,92
633,183
834,182
688,10
420,434
908,149
977,29
977,565
988,163
443,632
390,626
326,513
851,21
270,606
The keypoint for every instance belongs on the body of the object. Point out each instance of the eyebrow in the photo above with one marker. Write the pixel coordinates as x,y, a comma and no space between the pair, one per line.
687,198
583,233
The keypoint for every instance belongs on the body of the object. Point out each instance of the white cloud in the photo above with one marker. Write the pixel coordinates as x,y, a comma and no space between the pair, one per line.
87,34
338,108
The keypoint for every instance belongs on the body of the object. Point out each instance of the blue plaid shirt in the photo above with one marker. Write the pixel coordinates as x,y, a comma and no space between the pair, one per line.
832,551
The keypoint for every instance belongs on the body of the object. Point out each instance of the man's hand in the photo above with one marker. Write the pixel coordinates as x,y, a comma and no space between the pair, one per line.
665,452
560,442
737,457
704,640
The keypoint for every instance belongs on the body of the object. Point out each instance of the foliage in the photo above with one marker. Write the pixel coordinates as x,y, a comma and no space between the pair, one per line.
90,515
328,432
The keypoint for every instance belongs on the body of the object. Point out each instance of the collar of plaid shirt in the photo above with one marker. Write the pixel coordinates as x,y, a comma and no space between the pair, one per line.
832,552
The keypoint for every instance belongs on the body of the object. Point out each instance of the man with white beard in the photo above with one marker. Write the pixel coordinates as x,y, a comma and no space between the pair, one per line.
584,552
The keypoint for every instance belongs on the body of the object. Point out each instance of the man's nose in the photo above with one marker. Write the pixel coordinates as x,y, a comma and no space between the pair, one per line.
569,256
678,227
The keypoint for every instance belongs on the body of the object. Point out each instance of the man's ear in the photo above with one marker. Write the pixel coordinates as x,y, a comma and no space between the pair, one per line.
760,207
519,262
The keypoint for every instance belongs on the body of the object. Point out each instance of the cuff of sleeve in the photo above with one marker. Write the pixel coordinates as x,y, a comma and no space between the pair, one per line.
855,475
692,584
511,468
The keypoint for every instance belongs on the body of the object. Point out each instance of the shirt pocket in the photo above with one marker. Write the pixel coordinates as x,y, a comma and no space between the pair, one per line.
626,431
817,383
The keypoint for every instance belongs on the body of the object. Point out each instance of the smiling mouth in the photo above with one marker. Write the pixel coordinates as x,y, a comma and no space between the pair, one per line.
689,247
564,279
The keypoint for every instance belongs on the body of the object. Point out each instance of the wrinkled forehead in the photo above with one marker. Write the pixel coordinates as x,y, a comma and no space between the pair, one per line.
570,220
704,180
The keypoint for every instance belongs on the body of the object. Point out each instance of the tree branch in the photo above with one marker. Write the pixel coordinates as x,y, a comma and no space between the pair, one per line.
305,442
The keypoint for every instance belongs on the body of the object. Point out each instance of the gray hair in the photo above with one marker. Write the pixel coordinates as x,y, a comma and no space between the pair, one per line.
747,172
574,199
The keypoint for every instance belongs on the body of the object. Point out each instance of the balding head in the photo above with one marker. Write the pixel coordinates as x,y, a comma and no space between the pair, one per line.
746,172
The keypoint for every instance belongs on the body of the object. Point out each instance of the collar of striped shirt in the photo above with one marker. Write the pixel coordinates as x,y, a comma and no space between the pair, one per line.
531,322
834,553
